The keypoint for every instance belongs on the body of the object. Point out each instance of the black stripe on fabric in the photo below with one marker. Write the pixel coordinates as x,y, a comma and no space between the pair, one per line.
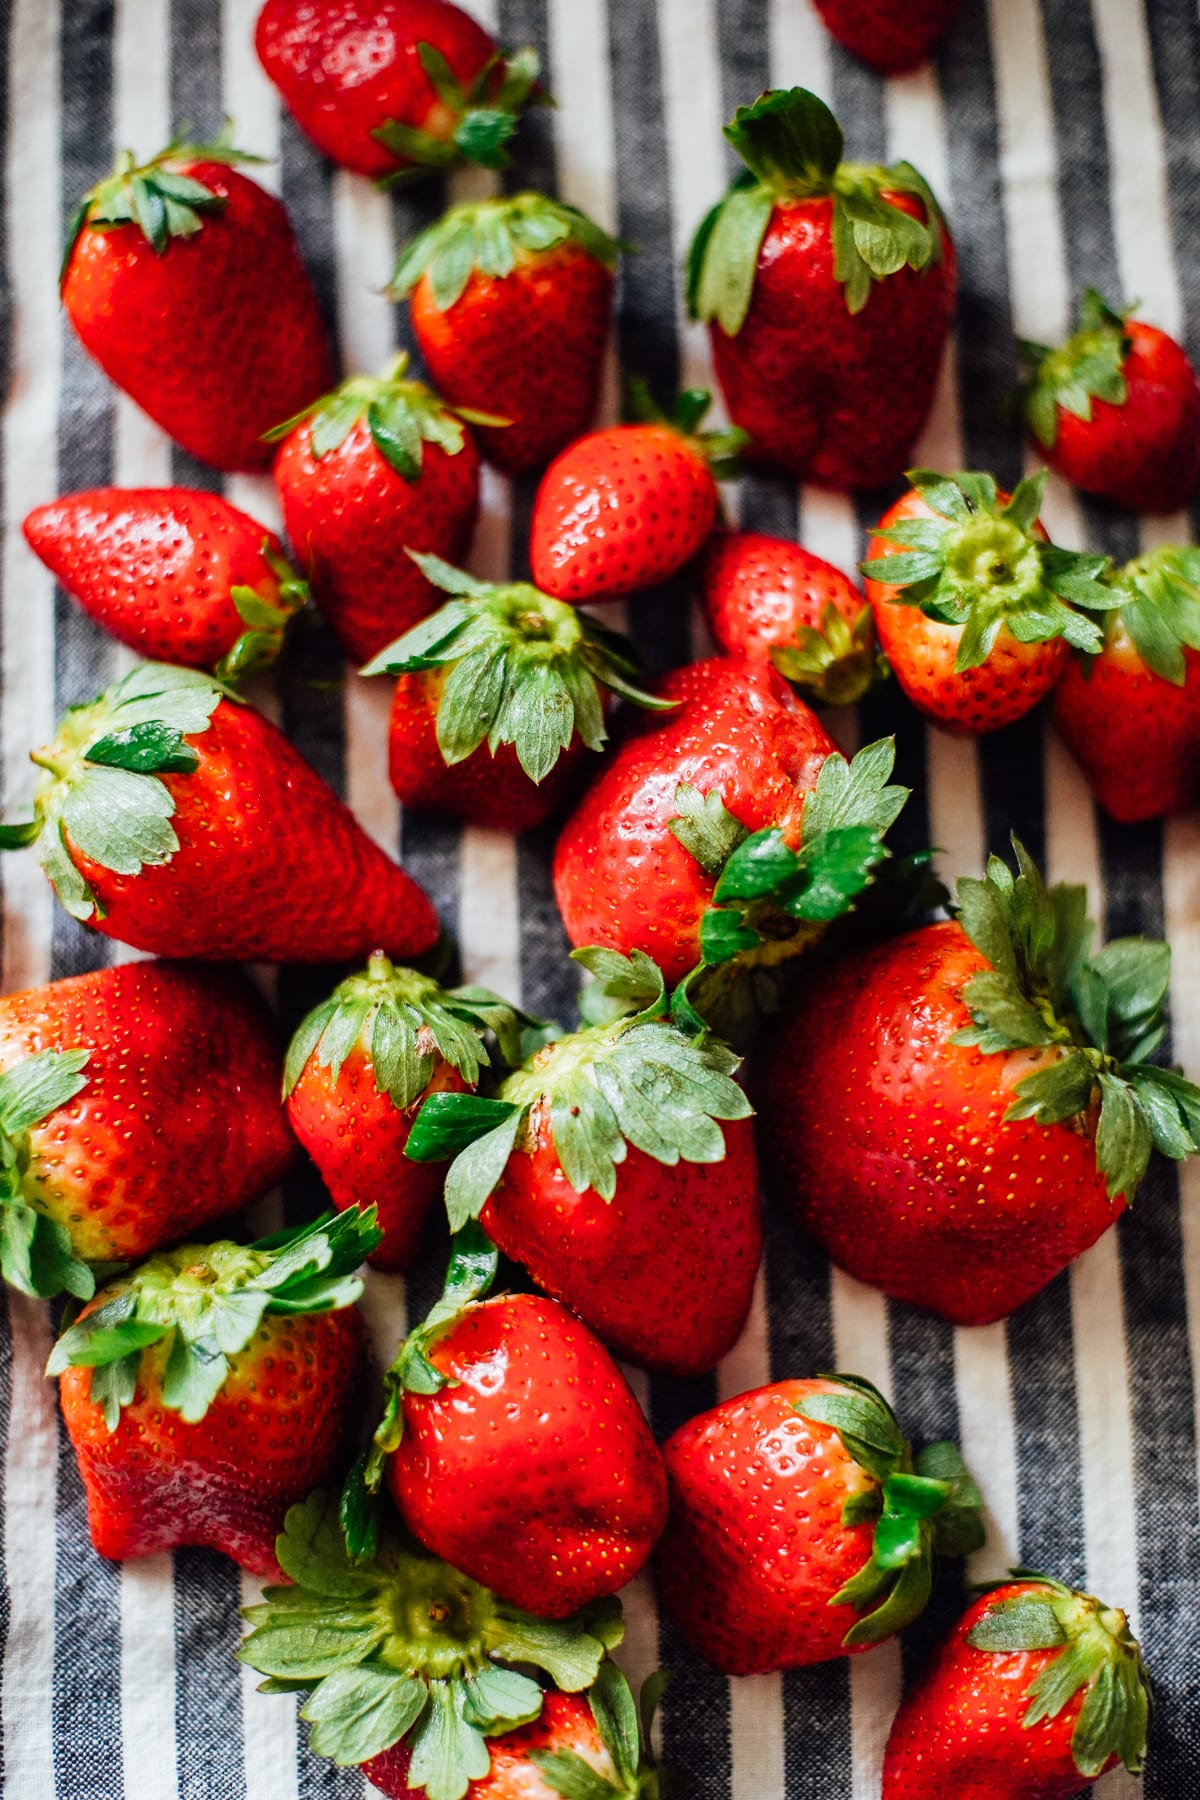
195,90
534,164
208,1701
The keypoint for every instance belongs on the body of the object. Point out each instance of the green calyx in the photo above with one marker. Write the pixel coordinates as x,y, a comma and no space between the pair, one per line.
979,564
402,1647
921,1508
200,1305
1159,607
1103,1015
266,620
36,1255
837,664
483,117
721,450
1099,1657
520,669
792,147
102,778
631,1077
1089,366
495,238
625,1728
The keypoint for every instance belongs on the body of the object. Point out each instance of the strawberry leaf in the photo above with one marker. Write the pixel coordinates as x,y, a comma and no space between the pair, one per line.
36,1254
837,664
1089,366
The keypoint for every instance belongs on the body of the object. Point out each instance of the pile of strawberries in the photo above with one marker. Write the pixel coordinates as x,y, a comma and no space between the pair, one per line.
954,1098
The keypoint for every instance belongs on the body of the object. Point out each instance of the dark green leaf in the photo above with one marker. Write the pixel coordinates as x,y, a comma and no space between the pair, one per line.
448,1123
151,748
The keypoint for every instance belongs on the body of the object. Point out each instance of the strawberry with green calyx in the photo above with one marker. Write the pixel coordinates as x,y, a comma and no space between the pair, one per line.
976,610
402,1655
1131,714
359,1066
617,1164
802,1527
828,288
513,1448
379,466
182,278
511,307
173,818
207,1390
1020,1106
1116,410
501,695
1037,1692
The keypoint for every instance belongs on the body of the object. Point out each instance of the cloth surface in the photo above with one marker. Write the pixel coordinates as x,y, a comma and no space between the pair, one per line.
1062,140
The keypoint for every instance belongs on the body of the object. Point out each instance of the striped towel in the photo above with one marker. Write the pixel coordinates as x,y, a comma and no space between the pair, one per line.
1064,141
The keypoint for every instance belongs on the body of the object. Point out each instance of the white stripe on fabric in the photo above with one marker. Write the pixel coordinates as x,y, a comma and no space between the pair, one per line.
691,80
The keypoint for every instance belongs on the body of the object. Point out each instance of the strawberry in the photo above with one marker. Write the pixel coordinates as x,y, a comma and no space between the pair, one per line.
724,839
574,1170
183,280
504,663
207,1391
511,307
179,575
1036,1692
892,39
413,1668
828,288
623,509
359,1066
774,602
959,1113
377,467
1131,714
974,607
394,88
115,1087
802,1527
513,1447
173,818
1116,410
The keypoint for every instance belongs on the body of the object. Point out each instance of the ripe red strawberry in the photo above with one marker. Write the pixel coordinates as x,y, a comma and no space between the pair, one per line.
178,575
803,1528
956,1115
1116,410
501,695
974,607
394,87
207,1391
724,839
617,1164
183,280
774,602
625,508
116,1087
511,306
357,1070
378,467
1036,1692
513,1447
828,288
173,818
1131,714
414,1669
892,39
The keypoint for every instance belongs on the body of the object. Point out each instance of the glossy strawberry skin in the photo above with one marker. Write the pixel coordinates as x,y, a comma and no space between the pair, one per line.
351,517
356,1137
271,865
183,1075
921,652
888,1143
346,67
528,347
834,397
755,1548
154,566
565,1723
639,1268
1145,453
536,1473
1135,736
276,1430
220,337
759,590
622,880
890,38
620,510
